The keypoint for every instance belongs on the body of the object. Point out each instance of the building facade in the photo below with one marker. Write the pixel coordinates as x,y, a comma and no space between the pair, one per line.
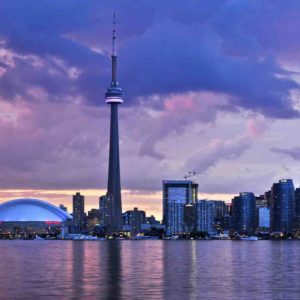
205,216
78,213
134,218
283,206
177,194
264,219
93,218
243,213
220,212
104,210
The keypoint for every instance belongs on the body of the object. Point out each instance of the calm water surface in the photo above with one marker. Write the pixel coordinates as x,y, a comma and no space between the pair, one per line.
149,270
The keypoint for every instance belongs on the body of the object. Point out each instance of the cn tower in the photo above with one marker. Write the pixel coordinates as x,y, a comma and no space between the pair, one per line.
114,97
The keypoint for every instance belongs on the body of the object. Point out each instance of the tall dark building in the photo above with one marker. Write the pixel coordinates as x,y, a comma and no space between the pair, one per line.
189,217
78,212
243,213
297,202
282,206
114,97
104,210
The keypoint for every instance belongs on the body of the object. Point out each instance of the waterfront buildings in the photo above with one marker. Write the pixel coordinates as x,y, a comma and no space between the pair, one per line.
134,219
114,97
78,213
282,206
205,216
177,194
243,213
93,218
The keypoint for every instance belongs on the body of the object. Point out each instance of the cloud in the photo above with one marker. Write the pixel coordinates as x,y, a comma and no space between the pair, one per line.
163,52
217,150
293,152
201,81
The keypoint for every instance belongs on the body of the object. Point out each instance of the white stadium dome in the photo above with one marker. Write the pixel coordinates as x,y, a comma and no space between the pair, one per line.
31,210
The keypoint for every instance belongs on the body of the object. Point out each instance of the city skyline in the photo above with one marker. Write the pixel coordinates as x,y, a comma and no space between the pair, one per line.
227,97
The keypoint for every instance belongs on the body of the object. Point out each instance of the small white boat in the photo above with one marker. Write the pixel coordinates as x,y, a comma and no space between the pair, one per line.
249,238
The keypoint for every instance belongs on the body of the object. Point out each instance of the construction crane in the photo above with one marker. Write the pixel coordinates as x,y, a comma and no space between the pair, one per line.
193,173
186,177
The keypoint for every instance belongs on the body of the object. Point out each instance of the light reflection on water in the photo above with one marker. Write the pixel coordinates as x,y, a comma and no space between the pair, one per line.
149,270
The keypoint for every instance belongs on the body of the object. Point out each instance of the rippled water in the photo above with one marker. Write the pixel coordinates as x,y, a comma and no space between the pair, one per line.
149,270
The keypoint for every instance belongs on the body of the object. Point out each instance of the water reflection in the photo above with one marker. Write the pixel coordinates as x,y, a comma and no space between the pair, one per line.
113,270
149,270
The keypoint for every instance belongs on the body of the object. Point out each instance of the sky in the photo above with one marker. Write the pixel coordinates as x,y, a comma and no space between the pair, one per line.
211,86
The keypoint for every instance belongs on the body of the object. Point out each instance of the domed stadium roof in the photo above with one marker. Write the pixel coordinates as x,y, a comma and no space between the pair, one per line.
31,210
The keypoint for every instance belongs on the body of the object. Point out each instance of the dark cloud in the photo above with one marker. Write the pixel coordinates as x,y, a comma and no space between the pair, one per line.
171,47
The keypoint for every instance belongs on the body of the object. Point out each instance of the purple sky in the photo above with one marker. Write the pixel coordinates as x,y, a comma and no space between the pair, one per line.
209,85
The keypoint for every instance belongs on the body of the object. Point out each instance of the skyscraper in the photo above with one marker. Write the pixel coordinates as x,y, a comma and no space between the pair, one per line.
78,212
114,97
205,216
243,213
176,194
297,202
282,206
104,210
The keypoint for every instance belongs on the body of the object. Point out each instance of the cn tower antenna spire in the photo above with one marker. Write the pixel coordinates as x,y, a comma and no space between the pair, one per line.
114,81
114,50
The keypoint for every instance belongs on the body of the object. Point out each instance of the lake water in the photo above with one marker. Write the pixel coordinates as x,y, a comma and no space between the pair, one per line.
149,270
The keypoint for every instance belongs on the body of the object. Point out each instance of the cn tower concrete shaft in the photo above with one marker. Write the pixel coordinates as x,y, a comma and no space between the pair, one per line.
114,184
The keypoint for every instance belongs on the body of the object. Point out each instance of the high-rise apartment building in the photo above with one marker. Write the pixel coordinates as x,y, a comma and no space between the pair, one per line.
283,206
205,216
78,212
104,210
243,213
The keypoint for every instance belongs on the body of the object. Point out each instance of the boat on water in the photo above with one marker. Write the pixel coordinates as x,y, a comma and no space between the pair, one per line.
248,238
144,237
83,237
172,237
